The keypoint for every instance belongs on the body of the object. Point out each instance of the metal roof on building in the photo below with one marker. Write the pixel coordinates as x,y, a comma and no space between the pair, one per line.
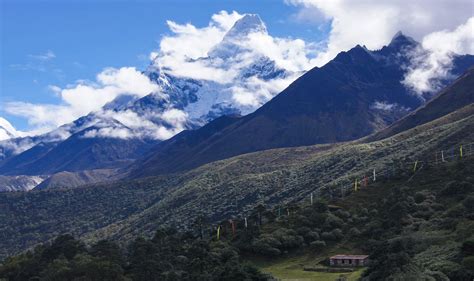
351,257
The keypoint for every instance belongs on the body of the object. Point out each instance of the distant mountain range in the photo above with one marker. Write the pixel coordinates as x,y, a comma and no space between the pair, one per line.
356,94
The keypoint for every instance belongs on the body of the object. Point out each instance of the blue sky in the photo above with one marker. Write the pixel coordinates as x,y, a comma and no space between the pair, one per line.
86,36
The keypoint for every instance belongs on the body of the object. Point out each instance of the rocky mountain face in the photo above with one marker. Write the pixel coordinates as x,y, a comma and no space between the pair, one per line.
354,95
19,183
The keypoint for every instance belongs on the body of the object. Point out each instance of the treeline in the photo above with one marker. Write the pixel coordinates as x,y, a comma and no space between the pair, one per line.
168,256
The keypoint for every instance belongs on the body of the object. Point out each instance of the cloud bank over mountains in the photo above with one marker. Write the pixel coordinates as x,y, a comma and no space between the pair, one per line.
233,59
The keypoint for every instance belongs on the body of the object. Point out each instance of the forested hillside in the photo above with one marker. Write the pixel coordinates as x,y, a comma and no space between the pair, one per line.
414,228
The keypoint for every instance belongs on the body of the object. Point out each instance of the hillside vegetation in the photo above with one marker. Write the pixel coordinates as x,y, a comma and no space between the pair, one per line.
221,190
415,228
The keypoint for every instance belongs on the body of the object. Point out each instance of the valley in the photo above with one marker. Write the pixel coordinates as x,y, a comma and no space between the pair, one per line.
237,152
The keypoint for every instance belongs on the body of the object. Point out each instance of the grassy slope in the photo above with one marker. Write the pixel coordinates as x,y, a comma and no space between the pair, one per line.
219,190
231,187
290,269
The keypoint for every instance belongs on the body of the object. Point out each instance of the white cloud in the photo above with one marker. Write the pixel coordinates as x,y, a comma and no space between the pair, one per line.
178,58
255,92
179,51
48,55
84,97
434,61
132,125
386,106
374,22
221,59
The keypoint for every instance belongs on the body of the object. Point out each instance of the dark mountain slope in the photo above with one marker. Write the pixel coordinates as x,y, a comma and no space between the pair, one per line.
175,152
27,157
452,98
75,154
337,102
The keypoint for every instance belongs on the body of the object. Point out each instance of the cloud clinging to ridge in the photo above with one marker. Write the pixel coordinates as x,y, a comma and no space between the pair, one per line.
374,22
434,60
83,97
443,28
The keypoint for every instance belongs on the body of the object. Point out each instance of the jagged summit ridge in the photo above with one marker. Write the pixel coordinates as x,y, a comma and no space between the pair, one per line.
249,23
401,40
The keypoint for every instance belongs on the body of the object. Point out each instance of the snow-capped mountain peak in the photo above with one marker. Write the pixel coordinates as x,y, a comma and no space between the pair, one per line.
7,131
249,23
234,42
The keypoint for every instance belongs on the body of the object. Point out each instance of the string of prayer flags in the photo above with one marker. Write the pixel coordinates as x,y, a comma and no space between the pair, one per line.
366,181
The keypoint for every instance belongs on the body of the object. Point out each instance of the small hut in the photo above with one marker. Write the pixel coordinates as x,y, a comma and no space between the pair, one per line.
349,260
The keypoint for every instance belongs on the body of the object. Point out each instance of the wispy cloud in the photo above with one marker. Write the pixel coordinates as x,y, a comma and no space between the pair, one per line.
83,97
41,62
46,56
128,124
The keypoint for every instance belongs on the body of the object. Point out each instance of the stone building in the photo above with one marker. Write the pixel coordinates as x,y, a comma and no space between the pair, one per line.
349,260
